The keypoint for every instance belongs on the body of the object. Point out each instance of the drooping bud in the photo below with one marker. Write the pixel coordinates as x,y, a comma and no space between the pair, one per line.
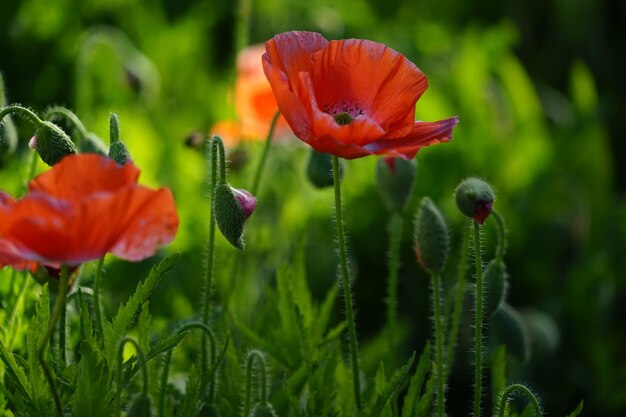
232,209
140,407
52,143
117,150
495,283
319,169
474,197
91,143
510,328
395,180
431,237
263,410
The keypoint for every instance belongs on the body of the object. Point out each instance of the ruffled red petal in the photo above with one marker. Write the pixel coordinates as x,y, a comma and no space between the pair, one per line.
77,176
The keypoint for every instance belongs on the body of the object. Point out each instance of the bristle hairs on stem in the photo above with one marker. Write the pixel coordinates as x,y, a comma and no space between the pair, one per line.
522,390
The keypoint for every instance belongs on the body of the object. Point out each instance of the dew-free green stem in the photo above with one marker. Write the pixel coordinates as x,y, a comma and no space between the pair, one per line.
120,363
524,390
69,115
458,301
346,285
501,247
96,297
43,343
216,147
478,336
392,282
266,151
439,343
254,356
244,14
22,112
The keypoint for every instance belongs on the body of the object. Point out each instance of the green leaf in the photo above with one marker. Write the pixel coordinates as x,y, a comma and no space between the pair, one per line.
15,373
415,386
425,403
93,393
117,328
498,374
42,400
192,396
578,409
398,379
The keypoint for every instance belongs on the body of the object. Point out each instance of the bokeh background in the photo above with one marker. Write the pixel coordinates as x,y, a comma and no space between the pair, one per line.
539,89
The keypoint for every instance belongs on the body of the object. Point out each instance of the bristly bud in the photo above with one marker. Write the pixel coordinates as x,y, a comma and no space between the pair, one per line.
117,150
474,197
140,407
510,328
431,237
395,178
232,209
263,410
319,169
495,283
52,143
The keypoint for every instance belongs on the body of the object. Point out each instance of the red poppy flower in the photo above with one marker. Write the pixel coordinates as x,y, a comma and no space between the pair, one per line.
350,98
82,208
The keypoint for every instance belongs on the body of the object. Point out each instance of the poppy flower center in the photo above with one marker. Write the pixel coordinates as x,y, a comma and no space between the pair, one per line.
342,112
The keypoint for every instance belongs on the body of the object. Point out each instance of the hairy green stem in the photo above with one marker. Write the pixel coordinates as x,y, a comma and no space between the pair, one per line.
96,297
43,343
346,285
458,302
244,14
392,283
22,112
69,115
266,151
478,336
120,363
439,344
254,356
504,397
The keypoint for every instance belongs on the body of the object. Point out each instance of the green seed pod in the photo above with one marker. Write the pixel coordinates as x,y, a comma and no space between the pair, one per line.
495,284
544,333
119,153
319,169
263,410
232,209
395,180
52,143
140,407
92,144
431,237
474,198
510,328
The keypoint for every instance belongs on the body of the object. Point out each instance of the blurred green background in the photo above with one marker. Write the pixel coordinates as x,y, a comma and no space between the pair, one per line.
538,87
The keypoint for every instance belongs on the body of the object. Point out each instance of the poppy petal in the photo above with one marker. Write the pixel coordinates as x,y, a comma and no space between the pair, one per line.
422,134
151,222
11,256
290,53
77,176
370,77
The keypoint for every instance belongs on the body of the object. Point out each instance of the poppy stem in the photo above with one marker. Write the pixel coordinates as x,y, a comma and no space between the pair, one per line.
69,115
254,356
346,285
266,151
120,363
216,148
504,398
96,297
439,343
458,301
43,343
395,226
478,326
501,248
22,112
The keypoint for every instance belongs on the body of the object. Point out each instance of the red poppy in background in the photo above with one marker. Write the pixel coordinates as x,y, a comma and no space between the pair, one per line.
255,104
350,98
85,206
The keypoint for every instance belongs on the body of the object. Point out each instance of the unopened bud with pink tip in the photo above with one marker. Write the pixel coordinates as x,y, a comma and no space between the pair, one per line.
474,197
232,208
246,201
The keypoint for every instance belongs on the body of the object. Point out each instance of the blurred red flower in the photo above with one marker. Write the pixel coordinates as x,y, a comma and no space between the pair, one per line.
350,98
82,208
255,104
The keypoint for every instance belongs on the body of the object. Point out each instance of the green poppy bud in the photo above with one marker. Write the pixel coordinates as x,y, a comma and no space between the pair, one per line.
510,328
140,407
495,283
474,197
395,180
117,150
431,237
52,143
92,144
319,169
232,209
263,410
